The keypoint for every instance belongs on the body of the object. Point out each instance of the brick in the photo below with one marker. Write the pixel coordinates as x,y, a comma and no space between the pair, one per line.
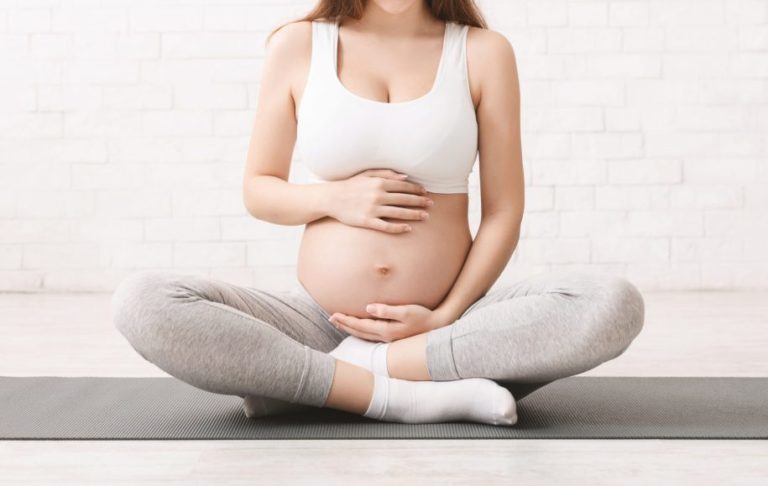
706,249
36,176
166,19
588,13
29,20
107,230
210,96
553,251
55,204
664,223
554,145
716,196
591,224
589,92
547,12
137,255
60,255
248,228
687,12
133,203
10,257
539,198
642,39
624,65
138,97
273,252
720,38
719,171
90,19
212,45
178,122
574,197
628,13
664,275
69,97
574,172
632,197
583,39
49,46
607,145
31,125
570,119
540,225
219,254
182,229
633,250
746,12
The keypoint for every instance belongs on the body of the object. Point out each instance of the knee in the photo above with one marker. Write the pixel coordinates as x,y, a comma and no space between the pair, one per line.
139,306
621,313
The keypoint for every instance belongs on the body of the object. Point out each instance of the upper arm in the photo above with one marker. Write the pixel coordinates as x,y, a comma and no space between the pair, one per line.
274,130
498,115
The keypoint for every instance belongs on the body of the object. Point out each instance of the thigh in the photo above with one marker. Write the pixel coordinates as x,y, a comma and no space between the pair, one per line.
566,282
291,312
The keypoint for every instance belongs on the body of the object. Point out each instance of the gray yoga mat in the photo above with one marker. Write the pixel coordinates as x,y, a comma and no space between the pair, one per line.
49,407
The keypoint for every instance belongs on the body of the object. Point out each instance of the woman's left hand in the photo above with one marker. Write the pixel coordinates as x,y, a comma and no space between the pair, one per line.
390,322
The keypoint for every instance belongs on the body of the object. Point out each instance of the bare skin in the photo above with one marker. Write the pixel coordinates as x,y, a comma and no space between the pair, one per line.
396,270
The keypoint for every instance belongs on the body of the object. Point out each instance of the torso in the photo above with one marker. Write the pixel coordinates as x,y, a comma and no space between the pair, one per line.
345,268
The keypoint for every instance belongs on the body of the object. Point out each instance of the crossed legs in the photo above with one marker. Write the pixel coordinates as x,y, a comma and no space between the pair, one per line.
236,340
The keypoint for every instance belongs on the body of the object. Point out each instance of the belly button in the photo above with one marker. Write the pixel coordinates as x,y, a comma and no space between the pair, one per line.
382,269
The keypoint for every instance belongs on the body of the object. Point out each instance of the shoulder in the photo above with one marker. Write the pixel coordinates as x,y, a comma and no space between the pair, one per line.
290,39
489,46
491,62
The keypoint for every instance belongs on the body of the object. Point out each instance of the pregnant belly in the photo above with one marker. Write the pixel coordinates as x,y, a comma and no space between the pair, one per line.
344,268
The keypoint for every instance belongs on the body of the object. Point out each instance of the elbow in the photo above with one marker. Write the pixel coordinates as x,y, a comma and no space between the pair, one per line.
509,217
251,197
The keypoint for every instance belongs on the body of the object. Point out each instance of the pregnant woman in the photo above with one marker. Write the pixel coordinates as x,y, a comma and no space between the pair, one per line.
393,316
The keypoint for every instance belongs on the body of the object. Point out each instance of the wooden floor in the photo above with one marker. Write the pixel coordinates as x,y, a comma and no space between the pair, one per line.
685,334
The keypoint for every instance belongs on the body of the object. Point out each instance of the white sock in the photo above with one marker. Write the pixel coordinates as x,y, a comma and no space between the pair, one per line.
366,354
470,399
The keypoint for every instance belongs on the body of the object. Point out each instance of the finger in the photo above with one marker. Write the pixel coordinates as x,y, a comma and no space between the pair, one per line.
386,173
371,326
384,311
403,186
360,334
403,199
387,227
400,213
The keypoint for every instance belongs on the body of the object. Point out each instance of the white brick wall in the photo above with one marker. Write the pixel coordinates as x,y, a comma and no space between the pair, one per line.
124,126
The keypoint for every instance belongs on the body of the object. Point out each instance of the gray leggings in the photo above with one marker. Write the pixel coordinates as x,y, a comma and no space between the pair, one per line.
237,340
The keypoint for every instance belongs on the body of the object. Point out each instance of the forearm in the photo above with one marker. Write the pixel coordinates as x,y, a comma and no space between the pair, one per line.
275,200
493,246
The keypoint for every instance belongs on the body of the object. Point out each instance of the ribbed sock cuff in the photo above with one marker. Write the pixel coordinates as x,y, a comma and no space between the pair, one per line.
378,406
379,360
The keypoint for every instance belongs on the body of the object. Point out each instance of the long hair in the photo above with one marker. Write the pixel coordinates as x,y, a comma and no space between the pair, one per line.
461,11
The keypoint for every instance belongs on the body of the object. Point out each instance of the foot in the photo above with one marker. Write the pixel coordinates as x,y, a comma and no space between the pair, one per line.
471,399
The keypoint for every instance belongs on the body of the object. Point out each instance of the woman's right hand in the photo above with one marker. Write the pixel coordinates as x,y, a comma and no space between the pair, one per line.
367,197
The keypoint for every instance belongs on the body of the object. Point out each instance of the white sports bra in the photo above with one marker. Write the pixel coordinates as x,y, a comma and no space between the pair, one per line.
432,139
